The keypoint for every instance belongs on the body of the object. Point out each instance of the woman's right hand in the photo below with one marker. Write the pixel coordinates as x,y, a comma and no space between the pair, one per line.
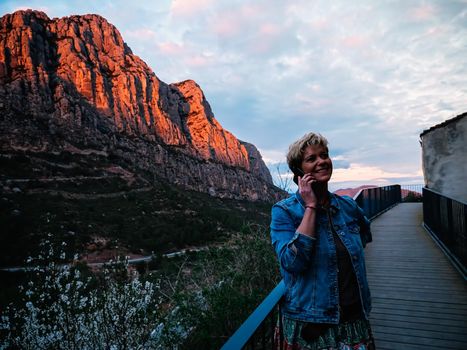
305,188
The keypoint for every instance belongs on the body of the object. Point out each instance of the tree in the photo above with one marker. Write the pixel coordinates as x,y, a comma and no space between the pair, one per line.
283,180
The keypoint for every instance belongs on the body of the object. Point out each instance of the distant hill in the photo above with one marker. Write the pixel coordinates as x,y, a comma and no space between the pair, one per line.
351,192
410,195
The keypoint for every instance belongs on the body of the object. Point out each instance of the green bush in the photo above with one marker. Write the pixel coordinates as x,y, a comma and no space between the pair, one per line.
413,197
216,290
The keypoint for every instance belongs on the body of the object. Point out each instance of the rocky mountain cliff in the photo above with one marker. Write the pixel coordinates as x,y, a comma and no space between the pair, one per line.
72,87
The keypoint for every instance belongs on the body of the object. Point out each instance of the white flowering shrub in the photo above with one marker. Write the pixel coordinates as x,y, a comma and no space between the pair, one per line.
65,310
195,302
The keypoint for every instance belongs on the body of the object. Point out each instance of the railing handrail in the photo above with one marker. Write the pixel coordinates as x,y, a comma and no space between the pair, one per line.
443,195
249,327
376,200
358,193
355,196
363,189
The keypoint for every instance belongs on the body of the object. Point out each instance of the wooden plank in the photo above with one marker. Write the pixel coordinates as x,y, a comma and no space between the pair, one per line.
418,338
372,272
423,285
388,345
414,308
408,266
420,315
419,304
416,272
403,331
447,284
442,323
422,326
411,343
415,297
427,312
420,290
416,264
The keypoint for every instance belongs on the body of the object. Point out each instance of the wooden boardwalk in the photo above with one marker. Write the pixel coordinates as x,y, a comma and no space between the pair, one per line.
419,299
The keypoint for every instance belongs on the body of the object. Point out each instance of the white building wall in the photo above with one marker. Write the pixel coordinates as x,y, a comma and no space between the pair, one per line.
444,157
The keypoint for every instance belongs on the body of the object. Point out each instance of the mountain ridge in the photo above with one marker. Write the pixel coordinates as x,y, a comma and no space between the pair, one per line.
73,83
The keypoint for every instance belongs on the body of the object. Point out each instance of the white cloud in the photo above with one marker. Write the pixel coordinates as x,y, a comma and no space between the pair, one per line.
145,34
360,172
271,157
189,8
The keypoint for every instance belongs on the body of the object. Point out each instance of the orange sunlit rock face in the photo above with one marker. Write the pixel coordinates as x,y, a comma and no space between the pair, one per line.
91,55
206,134
82,82
94,58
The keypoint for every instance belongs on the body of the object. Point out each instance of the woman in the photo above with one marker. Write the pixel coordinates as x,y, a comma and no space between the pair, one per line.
319,239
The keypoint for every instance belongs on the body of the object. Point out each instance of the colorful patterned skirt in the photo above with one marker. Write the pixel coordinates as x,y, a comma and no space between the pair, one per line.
298,335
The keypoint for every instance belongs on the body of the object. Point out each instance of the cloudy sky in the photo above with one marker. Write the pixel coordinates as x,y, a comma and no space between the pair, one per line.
369,75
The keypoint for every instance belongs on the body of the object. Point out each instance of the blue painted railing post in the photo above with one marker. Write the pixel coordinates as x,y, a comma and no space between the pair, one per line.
248,328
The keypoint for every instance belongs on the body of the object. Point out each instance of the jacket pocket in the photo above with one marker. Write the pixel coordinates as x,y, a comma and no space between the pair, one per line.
353,227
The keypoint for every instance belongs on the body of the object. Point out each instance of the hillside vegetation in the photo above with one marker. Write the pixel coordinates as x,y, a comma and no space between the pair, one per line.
103,211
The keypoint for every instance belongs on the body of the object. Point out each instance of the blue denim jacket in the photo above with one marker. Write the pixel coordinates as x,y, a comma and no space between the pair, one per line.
309,265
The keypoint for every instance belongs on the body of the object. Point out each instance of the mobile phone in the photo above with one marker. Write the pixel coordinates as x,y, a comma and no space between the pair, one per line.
297,171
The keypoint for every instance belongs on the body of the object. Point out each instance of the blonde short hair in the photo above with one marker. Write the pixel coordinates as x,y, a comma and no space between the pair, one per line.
296,149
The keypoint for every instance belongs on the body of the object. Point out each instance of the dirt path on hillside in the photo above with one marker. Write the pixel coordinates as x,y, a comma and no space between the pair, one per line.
72,195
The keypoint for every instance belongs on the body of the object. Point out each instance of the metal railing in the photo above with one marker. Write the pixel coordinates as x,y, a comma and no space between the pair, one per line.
412,193
259,328
376,200
258,331
445,218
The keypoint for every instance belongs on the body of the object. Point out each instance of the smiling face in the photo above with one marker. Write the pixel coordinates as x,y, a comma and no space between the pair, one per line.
316,161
